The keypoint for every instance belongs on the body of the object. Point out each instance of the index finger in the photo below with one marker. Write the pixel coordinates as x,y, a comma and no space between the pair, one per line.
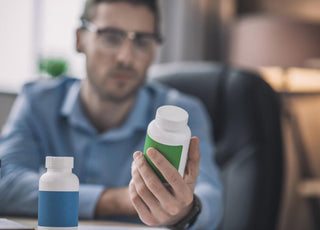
169,172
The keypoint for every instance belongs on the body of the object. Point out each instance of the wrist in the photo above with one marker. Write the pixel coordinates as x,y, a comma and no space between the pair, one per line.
114,202
99,209
190,218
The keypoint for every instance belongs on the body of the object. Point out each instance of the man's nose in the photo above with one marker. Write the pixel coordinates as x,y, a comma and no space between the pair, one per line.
125,53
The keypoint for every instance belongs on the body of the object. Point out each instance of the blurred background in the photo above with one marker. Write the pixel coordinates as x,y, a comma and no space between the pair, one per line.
279,39
246,33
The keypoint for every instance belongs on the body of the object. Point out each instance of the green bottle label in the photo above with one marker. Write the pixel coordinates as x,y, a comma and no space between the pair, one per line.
171,152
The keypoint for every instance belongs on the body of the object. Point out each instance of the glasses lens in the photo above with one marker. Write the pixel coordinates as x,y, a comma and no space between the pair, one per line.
112,37
143,41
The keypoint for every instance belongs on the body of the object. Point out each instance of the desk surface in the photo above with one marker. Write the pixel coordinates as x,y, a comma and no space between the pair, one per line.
33,223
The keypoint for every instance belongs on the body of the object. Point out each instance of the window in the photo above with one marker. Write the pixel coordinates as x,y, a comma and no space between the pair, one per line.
34,28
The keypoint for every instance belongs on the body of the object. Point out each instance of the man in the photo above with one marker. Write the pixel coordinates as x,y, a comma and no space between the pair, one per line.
101,121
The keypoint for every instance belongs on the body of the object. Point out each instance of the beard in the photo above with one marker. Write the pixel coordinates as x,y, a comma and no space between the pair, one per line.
124,91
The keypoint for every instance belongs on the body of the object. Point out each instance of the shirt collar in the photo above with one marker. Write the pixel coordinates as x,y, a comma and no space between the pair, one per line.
72,109
70,99
138,118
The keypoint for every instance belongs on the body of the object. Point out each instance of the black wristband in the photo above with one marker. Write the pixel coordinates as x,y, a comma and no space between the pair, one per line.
190,218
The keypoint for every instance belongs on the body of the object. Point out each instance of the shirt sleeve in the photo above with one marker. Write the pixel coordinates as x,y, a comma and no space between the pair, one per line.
89,196
23,163
20,163
208,186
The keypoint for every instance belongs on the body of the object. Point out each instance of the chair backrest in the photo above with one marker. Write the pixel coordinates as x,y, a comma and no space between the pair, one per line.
245,113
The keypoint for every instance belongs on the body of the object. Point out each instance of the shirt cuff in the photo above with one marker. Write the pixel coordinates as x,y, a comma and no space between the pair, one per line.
202,217
89,195
212,208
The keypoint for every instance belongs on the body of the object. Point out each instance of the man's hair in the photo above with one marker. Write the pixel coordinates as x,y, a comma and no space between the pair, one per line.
89,9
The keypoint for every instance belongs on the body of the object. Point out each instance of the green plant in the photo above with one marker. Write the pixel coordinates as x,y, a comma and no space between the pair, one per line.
53,66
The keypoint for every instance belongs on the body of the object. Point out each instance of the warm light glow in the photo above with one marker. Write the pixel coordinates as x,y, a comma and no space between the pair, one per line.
295,80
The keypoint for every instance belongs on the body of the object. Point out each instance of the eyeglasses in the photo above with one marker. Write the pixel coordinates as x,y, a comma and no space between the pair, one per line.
111,39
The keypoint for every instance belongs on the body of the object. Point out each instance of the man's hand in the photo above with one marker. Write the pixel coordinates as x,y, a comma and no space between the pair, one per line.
156,203
113,202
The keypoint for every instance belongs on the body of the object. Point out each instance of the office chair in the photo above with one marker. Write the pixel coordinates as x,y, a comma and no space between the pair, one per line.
245,113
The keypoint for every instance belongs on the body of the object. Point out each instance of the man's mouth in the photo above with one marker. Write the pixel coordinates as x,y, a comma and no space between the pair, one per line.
123,76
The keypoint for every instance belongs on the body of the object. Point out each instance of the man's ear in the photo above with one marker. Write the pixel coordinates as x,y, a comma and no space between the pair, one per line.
80,40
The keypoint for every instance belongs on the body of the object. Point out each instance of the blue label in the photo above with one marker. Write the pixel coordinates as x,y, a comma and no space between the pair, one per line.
58,209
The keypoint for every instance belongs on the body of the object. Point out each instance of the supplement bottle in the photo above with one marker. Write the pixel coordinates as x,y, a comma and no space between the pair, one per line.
170,134
58,195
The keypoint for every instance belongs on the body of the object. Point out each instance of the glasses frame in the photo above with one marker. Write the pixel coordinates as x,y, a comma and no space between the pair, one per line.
131,35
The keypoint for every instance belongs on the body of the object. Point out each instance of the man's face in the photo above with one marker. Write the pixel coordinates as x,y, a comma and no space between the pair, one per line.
116,72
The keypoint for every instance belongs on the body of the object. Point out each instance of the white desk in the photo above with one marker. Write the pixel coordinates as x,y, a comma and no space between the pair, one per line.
95,224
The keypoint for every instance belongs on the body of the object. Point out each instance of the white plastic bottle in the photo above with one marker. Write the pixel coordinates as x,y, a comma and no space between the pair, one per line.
58,195
170,134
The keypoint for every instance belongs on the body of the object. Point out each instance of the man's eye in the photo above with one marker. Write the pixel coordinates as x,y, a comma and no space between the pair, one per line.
143,42
112,38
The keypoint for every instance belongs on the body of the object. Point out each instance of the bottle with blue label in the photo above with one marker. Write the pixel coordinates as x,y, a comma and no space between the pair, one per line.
58,195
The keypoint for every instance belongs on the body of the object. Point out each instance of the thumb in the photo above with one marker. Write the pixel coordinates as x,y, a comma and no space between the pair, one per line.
192,167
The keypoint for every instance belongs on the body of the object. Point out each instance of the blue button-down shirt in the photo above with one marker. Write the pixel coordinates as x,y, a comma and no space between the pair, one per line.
47,119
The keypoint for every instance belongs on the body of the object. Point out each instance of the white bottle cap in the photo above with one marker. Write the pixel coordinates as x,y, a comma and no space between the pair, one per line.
171,117
59,162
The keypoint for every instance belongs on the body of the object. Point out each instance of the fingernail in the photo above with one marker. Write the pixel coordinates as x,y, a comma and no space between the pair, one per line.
151,152
136,155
